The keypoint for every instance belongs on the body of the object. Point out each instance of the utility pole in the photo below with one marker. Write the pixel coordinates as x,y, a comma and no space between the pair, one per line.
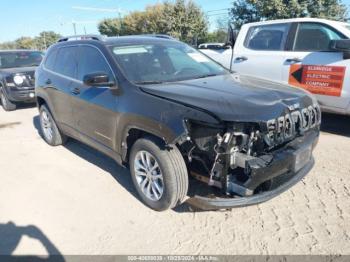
119,11
74,27
44,34
120,21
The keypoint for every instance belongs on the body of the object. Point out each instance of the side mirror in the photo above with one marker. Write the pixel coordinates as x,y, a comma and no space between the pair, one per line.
97,79
342,45
231,36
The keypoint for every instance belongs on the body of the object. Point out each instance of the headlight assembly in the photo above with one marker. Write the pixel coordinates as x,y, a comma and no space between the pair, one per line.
18,79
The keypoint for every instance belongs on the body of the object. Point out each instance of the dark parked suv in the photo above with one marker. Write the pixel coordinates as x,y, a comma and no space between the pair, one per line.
17,77
166,111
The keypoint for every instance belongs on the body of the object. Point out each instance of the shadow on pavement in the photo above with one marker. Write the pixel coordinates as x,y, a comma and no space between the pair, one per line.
23,106
9,125
11,234
119,173
26,105
336,124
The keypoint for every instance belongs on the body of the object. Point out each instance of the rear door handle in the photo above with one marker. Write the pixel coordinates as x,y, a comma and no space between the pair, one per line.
76,91
294,60
241,59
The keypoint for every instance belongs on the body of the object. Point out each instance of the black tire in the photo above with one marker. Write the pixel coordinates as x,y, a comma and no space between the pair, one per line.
7,105
57,137
173,170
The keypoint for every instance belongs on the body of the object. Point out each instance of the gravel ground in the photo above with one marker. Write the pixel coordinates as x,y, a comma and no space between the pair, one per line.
73,200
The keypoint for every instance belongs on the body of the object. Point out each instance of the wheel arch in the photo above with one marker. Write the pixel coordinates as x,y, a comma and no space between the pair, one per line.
3,86
40,101
132,134
173,131
43,100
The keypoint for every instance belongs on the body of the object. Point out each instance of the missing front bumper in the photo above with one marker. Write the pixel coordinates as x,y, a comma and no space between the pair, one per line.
216,203
287,160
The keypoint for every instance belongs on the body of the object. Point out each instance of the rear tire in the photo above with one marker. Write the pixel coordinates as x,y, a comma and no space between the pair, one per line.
7,105
49,130
158,193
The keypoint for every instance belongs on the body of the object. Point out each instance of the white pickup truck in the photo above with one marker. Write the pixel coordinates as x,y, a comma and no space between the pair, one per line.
307,53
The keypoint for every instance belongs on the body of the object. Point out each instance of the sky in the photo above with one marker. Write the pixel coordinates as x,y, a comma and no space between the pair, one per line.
30,17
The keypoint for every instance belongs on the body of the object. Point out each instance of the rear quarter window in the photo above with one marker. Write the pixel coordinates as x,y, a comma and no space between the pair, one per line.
50,59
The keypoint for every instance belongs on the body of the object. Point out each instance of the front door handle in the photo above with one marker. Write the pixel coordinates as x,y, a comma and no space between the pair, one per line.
76,91
294,60
241,59
48,81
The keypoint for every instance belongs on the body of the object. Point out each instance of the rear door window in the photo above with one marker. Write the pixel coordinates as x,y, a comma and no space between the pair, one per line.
267,37
66,62
314,37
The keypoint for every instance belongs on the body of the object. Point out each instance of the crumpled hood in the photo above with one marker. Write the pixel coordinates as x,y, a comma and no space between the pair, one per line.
234,98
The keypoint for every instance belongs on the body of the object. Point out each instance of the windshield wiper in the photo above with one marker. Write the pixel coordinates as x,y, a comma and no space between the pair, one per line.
205,76
148,82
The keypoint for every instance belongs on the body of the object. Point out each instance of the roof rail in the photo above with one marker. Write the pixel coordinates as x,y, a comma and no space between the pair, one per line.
159,36
81,37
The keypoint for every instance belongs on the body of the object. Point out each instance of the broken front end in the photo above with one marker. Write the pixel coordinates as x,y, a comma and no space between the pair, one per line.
251,162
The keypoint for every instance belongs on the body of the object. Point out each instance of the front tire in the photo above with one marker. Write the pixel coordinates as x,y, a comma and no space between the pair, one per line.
7,105
159,174
49,129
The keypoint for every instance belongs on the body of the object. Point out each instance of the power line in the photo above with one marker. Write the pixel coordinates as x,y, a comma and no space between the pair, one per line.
210,11
85,22
87,8
218,14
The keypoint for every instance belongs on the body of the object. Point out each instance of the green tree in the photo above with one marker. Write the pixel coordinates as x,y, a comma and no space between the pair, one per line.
41,42
331,9
218,36
45,39
25,43
110,27
182,19
189,23
8,45
152,20
244,11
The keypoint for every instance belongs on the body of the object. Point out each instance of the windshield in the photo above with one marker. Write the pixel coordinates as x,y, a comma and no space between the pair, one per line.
164,62
20,59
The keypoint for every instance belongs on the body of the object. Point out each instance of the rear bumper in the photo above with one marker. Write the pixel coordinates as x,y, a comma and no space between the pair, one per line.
206,203
21,95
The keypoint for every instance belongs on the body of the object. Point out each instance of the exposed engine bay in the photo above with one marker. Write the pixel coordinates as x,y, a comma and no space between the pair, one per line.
243,159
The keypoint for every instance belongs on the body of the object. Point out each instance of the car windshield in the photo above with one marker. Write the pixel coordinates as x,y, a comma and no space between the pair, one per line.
20,59
164,62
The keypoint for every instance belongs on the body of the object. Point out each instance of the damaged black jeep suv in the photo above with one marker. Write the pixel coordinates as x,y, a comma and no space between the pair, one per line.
166,111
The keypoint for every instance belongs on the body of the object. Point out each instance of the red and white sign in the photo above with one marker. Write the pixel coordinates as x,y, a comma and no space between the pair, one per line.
318,79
